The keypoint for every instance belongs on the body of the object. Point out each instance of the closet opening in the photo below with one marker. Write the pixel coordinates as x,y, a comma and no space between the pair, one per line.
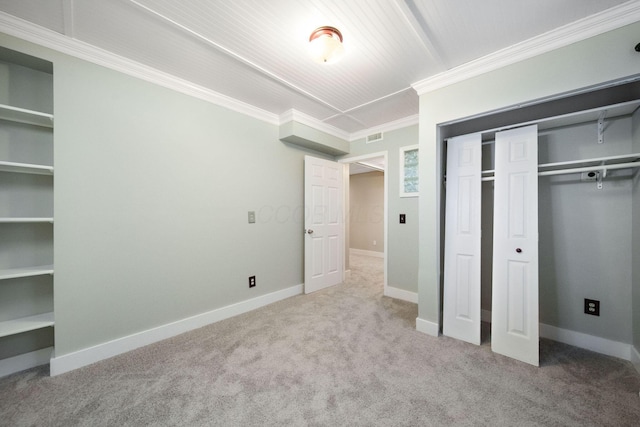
589,234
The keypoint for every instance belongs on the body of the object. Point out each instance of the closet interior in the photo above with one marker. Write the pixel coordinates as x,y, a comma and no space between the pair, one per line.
588,152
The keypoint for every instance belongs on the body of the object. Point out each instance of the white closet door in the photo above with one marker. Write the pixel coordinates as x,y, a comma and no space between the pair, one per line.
514,320
461,311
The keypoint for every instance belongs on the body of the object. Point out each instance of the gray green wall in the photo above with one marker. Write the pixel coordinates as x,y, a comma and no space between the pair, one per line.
402,239
366,211
563,70
152,189
584,244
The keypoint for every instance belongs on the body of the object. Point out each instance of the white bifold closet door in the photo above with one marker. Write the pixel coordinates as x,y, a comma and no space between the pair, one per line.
514,319
461,311
514,305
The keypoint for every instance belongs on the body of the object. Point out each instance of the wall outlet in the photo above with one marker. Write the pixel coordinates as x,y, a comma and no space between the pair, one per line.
252,217
375,243
592,307
252,281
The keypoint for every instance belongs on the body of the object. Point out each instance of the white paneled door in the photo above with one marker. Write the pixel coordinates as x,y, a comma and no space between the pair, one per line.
461,309
514,320
324,224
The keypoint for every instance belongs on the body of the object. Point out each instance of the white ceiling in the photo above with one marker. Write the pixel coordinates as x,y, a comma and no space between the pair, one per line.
369,165
255,51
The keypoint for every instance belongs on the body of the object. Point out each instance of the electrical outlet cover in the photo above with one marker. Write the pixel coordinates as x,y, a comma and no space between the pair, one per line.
592,307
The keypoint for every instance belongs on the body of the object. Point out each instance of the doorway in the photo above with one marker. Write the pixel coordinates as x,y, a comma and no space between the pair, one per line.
373,215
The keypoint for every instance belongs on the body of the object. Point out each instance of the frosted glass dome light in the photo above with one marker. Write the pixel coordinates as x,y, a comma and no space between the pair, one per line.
325,45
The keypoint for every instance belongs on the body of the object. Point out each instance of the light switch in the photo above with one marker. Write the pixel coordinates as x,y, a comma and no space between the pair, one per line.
252,217
403,219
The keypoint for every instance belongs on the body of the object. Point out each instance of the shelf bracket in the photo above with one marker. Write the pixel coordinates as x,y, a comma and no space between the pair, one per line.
601,126
600,176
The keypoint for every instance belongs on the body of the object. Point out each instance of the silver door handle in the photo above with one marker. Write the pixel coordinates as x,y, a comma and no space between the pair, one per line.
309,231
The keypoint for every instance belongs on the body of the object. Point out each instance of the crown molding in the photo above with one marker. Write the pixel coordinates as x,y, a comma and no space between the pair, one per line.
610,19
387,127
25,30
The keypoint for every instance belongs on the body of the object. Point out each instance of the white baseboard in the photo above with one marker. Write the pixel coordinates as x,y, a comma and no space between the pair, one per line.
427,327
635,358
366,253
589,342
21,362
397,293
87,356
579,339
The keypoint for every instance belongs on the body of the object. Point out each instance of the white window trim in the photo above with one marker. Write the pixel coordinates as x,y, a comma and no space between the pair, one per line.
402,176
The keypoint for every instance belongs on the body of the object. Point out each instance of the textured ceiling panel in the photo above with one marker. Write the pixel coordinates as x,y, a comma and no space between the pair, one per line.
468,29
48,14
392,108
376,40
345,122
132,33
256,51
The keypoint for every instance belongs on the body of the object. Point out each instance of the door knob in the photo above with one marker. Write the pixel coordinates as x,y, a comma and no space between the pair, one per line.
518,250
309,231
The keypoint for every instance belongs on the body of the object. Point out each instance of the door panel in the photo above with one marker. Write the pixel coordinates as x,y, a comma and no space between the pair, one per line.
514,320
461,311
324,224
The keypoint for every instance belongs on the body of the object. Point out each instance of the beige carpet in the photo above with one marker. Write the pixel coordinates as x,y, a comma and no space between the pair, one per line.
342,356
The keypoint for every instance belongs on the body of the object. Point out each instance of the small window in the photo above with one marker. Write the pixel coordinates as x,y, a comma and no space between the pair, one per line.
409,171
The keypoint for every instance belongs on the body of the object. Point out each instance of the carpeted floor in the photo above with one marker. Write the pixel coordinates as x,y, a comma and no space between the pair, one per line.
342,356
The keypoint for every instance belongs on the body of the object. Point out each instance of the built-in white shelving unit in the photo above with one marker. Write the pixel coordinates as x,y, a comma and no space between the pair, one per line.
26,216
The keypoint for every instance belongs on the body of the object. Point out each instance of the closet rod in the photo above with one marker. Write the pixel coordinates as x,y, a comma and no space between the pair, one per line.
583,169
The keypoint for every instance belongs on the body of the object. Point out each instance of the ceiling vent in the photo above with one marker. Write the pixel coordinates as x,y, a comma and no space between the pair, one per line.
374,137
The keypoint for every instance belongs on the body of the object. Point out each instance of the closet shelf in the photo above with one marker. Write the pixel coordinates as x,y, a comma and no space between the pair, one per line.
625,161
14,273
25,168
22,115
7,220
601,162
25,324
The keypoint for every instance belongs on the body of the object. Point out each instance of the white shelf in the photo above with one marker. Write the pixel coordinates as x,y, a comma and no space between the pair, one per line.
599,161
25,324
624,161
24,220
14,273
22,115
25,168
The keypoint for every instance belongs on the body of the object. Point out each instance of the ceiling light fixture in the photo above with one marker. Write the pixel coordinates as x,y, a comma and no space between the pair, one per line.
325,44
